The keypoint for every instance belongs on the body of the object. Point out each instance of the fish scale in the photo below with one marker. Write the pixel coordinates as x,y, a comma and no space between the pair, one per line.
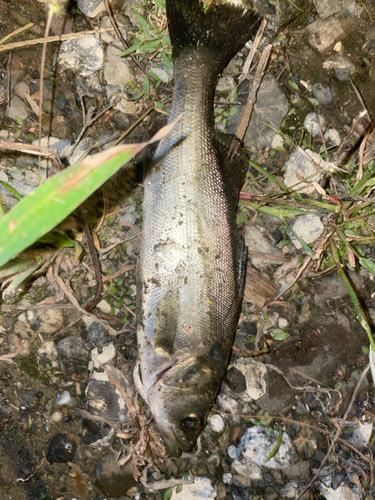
192,258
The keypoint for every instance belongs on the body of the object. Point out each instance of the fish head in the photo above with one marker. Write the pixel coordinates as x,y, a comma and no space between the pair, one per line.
180,401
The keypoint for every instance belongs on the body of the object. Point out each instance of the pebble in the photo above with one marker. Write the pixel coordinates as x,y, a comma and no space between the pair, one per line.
235,380
227,478
257,242
322,93
128,218
228,404
57,416
232,451
298,471
308,227
314,123
288,491
258,442
116,69
63,399
343,492
32,178
16,174
326,8
298,167
61,449
270,108
104,399
282,323
91,8
324,33
165,74
47,353
106,356
45,321
96,333
17,108
62,102
217,423
333,137
73,355
254,373
80,152
225,83
202,488
84,55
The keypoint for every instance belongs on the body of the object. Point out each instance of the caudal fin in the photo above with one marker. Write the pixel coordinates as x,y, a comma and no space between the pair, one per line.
221,27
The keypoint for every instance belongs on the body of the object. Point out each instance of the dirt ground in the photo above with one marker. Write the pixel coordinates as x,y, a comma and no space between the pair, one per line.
308,337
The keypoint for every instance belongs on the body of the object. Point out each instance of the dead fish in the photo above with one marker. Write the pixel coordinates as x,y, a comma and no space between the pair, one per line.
192,262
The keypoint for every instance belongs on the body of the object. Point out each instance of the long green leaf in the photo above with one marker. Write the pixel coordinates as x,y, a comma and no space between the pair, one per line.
54,200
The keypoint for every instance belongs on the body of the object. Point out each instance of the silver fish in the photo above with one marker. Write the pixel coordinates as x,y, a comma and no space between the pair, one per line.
192,261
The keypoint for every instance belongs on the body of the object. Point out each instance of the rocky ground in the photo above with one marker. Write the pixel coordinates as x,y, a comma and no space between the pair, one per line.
294,416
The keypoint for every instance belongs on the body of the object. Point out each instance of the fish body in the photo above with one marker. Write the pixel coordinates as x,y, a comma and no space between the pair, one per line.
192,262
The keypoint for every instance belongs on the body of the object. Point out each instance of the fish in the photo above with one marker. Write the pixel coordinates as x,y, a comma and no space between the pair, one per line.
192,261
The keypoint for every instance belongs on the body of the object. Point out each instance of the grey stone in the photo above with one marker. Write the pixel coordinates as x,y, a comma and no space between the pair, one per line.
270,108
323,34
84,55
257,242
343,75
16,174
299,167
333,137
17,108
225,83
91,8
326,8
308,227
73,355
254,373
314,123
129,218
116,69
322,93
298,471
97,335
160,69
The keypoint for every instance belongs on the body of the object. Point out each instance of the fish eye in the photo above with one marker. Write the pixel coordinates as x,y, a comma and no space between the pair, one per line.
191,423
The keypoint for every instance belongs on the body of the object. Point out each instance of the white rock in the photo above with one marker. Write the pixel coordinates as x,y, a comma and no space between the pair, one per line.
106,356
227,478
288,491
333,137
57,416
257,443
277,141
254,373
104,306
361,434
232,451
299,168
217,423
201,489
308,227
282,323
80,152
3,176
228,404
326,8
314,123
64,398
256,242
84,55
343,492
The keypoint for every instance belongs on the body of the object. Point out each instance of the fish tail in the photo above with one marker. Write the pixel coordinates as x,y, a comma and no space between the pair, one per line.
221,28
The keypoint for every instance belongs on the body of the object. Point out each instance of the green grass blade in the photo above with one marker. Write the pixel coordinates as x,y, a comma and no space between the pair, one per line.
38,213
